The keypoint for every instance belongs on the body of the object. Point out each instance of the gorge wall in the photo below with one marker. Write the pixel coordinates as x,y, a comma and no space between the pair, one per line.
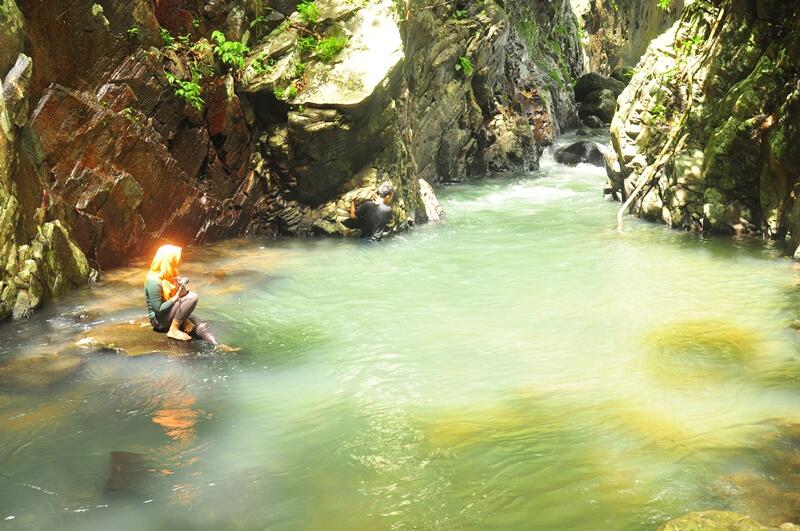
121,128
706,133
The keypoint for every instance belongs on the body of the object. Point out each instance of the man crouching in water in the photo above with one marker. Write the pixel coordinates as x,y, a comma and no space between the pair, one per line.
374,215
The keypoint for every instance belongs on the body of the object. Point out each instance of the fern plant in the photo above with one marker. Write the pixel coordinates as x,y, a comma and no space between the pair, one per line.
308,12
231,53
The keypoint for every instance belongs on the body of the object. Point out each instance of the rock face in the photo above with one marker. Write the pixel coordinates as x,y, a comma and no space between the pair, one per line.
117,135
38,258
616,33
705,132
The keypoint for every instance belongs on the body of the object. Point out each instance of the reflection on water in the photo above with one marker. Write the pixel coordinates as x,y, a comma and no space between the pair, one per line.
521,366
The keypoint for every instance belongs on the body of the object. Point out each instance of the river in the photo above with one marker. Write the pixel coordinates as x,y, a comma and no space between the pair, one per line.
522,365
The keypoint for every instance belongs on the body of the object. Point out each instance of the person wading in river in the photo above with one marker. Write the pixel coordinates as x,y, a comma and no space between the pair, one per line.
169,302
374,215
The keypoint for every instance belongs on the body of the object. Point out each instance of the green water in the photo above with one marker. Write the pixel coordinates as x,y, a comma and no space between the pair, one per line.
521,366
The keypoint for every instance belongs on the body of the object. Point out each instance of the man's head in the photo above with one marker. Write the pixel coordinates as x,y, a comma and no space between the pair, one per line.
386,192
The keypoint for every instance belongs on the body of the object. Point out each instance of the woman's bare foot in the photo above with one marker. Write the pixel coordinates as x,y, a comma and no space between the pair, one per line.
175,332
222,347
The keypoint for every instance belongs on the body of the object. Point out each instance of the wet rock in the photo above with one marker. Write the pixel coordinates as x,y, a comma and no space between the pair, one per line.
580,153
433,210
593,122
134,338
593,82
37,368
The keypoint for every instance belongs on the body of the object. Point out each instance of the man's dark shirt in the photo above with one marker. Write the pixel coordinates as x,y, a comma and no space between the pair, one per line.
372,219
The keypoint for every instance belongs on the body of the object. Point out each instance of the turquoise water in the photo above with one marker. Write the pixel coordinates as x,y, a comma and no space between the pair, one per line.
520,366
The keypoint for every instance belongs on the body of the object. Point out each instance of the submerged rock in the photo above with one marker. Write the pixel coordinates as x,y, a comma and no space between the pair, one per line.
712,520
130,473
38,368
719,521
580,153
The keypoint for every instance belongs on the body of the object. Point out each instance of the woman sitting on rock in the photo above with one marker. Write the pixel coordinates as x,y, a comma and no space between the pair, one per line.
169,302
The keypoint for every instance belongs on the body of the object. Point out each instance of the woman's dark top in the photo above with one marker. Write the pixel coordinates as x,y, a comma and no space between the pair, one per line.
154,297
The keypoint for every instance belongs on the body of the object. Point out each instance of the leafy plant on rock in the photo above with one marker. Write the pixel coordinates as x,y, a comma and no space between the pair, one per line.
133,32
306,45
329,47
231,53
166,36
308,12
465,65
664,4
189,91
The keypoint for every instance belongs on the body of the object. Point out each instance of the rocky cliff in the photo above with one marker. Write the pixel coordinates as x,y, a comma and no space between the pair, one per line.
706,134
616,33
126,123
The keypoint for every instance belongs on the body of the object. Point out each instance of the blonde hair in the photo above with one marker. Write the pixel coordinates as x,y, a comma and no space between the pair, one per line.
165,265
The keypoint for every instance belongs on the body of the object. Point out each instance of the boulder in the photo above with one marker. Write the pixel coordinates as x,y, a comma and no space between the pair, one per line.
580,153
601,103
134,338
593,122
593,81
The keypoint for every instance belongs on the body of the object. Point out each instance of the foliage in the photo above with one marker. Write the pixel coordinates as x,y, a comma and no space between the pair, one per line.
465,65
614,5
659,112
306,45
460,14
285,94
231,53
299,68
259,67
130,114
329,47
189,91
195,23
133,32
185,40
308,12
201,47
166,36
664,4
